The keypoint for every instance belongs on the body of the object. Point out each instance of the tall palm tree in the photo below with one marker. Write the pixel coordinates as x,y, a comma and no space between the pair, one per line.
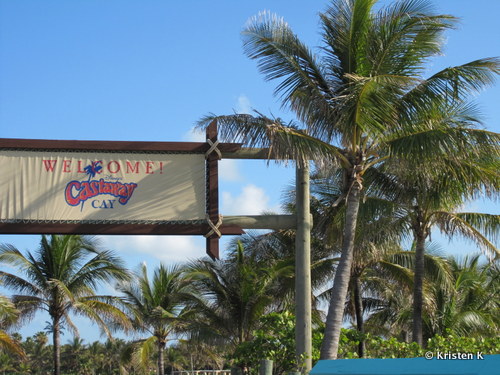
391,281
361,102
429,196
233,295
470,308
62,277
158,307
463,303
382,224
376,240
278,248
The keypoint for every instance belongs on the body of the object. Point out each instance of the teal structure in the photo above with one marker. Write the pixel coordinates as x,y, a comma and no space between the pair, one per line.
490,365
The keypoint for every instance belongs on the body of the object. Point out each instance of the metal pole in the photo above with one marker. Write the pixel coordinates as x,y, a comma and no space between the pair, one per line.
303,339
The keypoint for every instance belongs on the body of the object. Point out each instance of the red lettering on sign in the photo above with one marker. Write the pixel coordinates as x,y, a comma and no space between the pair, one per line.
113,166
66,166
132,168
79,191
117,166
72,200
80,167
49,165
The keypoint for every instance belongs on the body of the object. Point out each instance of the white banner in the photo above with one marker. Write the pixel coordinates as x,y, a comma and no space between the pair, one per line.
39,185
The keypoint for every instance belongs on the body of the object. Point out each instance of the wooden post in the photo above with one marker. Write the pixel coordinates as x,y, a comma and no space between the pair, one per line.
213,191
274,222
266,367
303,333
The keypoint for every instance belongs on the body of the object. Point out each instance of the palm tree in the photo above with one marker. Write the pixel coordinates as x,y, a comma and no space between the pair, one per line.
112,351
382,224
361,103
157,306
8,315
376,240
462,301
470,308
362,297
177,359
74,356
429,196
233,295
190,354
61,278
39,353
391,281
278,248
6,363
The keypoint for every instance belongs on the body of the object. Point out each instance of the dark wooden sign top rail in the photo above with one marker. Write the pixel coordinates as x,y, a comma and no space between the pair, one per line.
114,146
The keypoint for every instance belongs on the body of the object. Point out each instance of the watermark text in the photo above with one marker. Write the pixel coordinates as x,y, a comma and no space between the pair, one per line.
454,355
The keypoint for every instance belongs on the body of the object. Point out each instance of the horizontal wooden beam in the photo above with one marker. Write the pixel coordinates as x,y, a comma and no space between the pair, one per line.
115,229
231,225
274,222
247,153
228,150
114,146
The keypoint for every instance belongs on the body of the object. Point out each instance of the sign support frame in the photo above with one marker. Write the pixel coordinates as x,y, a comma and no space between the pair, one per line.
214,226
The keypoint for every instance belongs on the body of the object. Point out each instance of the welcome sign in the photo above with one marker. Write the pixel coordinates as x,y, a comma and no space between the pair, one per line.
113,187
109,187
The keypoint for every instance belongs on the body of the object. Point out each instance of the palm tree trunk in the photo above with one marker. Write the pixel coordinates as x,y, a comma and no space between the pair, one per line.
418,295
56,340
330,345
161,360
358,307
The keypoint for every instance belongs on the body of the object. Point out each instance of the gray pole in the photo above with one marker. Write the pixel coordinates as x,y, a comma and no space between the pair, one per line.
266,367
303,340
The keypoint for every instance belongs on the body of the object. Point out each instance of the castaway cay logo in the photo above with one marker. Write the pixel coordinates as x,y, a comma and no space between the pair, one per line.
78,192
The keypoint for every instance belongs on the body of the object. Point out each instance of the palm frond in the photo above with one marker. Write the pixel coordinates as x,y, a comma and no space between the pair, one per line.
284,141
434,143
345,25
101,268
476,227
280,55
406,34
101,311
455,83
10,345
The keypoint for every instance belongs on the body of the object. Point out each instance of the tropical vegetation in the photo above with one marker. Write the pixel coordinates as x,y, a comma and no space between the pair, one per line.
8,315
396,156
363,106
62,276
234,312
158,307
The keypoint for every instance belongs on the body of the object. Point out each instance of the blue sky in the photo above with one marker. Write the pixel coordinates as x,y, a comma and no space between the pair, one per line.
148,70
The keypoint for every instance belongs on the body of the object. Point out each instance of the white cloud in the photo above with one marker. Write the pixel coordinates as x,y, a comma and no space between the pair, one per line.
251,201
194,135
167,249
243,105
229,171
